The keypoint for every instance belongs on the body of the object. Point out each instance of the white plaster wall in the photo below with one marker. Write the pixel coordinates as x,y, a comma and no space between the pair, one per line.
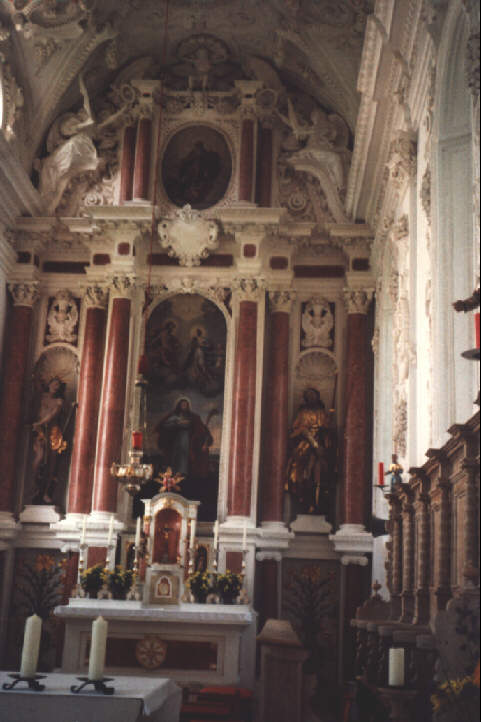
454,378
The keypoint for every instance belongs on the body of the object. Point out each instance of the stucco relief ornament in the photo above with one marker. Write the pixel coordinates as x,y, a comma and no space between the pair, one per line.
317,323
188,236
402,159
358,301
62,318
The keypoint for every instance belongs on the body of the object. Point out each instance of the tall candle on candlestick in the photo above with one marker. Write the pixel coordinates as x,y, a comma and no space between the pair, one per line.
193,525
216,535
244,538
380,470
396,667
84,529
98,647
111,531
31,646
137,534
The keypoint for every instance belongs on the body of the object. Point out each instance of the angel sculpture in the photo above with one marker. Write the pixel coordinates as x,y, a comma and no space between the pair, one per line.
71,149
327,137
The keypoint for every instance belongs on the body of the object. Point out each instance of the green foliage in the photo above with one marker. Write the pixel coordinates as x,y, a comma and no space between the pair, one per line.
93,578
310,605
200,583
228,584
40,585
119,580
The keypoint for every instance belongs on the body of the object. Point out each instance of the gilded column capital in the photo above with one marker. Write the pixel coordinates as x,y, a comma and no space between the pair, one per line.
249,289
96,296
358,300
24,294
281,301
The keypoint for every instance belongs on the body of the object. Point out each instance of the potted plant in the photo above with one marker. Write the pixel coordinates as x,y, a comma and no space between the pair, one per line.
228,586
92,580
200,586
119,581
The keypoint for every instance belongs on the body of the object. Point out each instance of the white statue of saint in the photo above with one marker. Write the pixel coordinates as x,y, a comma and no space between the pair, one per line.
317,322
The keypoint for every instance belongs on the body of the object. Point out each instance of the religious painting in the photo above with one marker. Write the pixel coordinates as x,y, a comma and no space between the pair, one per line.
52,423
196,167
186,347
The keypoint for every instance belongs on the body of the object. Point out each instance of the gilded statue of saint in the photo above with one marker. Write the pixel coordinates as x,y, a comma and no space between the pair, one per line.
311,456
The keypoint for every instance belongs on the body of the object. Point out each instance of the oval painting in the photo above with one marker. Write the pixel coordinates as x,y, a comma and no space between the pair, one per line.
196,167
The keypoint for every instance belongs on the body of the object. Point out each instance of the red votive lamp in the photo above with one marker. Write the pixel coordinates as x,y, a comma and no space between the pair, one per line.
143,365
137,440
380,473
476,326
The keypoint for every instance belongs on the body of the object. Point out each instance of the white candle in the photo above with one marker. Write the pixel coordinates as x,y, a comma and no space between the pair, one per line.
396,667
98,646
137,533
244,538
216,535
31,646
84,529
193,525
111,531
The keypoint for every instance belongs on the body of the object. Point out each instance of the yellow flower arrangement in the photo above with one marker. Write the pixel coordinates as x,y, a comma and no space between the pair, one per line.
461,693
93,579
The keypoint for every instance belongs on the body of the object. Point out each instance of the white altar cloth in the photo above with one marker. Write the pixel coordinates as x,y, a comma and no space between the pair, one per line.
136,699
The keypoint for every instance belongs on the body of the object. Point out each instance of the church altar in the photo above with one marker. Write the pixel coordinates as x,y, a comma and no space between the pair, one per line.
135,700
208,643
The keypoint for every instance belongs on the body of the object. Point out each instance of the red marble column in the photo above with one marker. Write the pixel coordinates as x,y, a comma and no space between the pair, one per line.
356,438
264,167
83,454
13,378
111,421
142,160
246,170
127,164
243,411
275,421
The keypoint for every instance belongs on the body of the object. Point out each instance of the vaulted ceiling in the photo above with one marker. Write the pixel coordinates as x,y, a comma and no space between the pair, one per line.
312,45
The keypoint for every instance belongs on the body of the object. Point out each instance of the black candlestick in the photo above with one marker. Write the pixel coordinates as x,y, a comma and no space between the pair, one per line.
31,681
99,685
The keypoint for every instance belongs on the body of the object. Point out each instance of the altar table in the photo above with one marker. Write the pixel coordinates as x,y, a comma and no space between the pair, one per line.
136,699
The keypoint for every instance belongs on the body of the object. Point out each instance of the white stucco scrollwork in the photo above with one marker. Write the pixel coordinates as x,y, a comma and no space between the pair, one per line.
188,236
62,318
317,323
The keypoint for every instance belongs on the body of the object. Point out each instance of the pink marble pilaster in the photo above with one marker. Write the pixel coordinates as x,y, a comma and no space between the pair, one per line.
83,453
111,420
243,410
127,164
246,171
12,383
356,492
264,166
142,160
275,424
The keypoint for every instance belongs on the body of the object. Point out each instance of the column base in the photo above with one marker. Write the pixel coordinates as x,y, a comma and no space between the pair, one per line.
37,527
311,524
9,529
352,541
